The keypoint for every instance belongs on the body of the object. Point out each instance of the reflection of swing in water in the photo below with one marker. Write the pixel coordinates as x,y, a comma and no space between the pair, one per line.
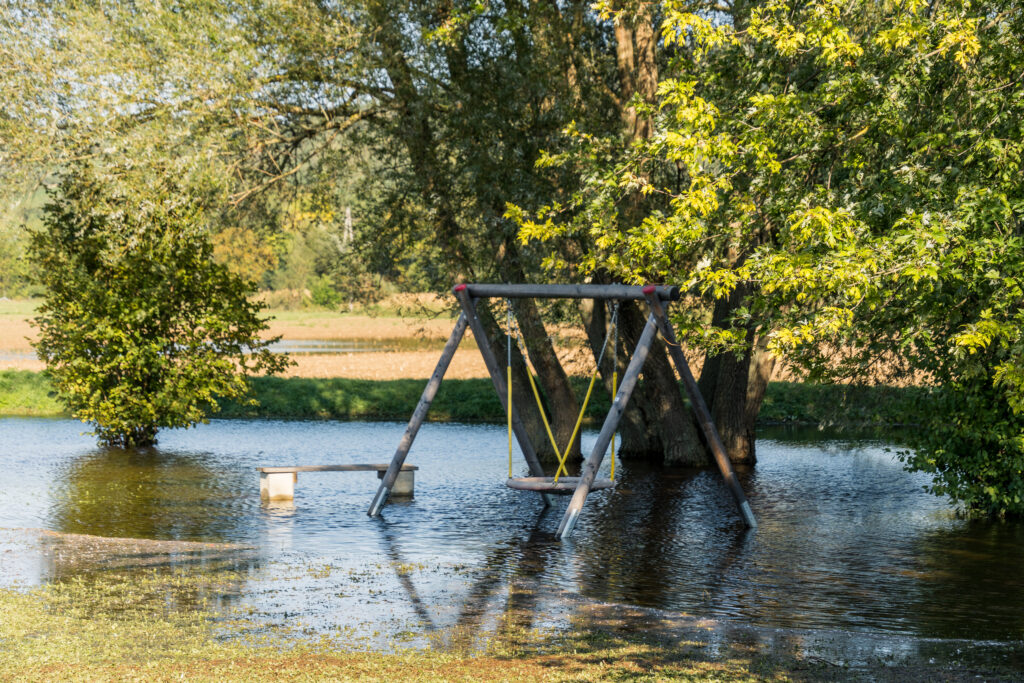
657,299
513,567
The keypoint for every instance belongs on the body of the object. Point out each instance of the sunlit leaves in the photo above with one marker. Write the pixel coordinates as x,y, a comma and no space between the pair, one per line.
140,329
854,169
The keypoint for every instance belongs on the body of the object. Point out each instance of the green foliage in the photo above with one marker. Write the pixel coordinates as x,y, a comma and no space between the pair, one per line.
844,179
27,394
324,293
972,443
140,329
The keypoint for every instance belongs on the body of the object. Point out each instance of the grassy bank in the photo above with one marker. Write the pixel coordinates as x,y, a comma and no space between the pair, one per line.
129,626
166,623
55,634
27,394
24,393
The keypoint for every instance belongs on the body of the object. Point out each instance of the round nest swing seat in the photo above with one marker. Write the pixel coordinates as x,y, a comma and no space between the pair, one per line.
564,485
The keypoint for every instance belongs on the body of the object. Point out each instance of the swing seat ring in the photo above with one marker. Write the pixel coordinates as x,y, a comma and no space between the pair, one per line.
564,485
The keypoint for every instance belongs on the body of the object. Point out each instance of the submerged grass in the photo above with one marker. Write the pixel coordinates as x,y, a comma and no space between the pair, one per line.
115,625
165,624
25,393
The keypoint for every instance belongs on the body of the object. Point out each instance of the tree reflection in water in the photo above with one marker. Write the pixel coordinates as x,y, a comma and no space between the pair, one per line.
151,493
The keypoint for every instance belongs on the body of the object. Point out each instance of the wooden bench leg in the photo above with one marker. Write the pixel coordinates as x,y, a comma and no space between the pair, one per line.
404,483
278,485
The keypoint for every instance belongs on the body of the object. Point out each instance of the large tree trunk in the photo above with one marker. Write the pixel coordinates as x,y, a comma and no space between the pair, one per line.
733,385
562,405
419,139
657,424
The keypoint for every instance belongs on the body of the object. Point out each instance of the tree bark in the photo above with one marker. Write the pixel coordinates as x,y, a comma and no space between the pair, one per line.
657,424
636,56
733,385
562,405
419,137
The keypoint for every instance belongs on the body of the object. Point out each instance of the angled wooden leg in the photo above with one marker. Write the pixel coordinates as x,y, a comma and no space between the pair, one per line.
418,415
611,422
700,408
500,386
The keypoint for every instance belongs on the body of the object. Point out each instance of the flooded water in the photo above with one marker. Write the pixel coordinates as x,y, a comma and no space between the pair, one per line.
310,347
847,540
318,347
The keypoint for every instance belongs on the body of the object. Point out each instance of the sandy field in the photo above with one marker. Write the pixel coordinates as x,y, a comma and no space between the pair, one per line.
16,333
420,338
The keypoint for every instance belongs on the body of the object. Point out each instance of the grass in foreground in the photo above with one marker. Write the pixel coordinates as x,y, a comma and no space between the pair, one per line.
45,637
159,626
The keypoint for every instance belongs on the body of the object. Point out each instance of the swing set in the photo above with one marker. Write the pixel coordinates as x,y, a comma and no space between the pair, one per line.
657,298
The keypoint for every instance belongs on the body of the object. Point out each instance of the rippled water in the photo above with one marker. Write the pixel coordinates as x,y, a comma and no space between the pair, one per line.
847,539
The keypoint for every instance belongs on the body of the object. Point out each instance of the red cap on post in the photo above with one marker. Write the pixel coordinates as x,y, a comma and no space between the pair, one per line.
649,289
460,287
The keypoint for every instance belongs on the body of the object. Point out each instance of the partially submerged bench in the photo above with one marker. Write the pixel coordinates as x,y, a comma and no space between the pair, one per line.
278,483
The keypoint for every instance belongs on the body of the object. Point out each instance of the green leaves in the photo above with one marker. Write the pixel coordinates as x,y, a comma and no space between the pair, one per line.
140,329
843,180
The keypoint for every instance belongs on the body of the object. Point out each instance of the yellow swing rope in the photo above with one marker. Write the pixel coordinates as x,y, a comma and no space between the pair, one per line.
533,386
508,382
563,455
540,404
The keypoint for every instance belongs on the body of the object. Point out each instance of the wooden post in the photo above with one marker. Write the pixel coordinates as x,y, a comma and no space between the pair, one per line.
700,408
611,422
500,386
429,392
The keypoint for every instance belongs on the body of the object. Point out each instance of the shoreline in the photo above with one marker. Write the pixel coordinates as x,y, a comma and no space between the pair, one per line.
24,393
60,630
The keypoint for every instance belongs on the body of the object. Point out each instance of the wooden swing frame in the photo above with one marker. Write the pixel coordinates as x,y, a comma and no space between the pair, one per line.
657,298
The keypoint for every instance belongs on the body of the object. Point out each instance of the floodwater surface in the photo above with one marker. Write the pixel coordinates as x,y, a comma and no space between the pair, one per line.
847,540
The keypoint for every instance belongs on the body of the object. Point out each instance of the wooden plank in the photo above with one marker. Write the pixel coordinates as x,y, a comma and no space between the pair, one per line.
483,291
356,467
547,484
700,408
611,422
418,415
500,386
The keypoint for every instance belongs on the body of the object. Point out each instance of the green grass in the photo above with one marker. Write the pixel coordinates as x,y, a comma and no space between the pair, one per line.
474,400
24,393
21,308
166,623
65,631
27,394
835,405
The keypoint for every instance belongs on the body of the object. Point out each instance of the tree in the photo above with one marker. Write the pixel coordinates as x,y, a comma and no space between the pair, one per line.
836,182
140,329
456,99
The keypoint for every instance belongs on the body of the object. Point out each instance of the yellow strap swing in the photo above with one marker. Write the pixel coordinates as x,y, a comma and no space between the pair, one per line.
567,483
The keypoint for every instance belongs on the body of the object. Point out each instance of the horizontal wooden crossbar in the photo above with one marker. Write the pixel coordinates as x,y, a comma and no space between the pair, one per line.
622,292
334,468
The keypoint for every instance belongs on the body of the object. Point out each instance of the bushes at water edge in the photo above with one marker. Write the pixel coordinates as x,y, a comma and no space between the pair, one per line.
25,393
